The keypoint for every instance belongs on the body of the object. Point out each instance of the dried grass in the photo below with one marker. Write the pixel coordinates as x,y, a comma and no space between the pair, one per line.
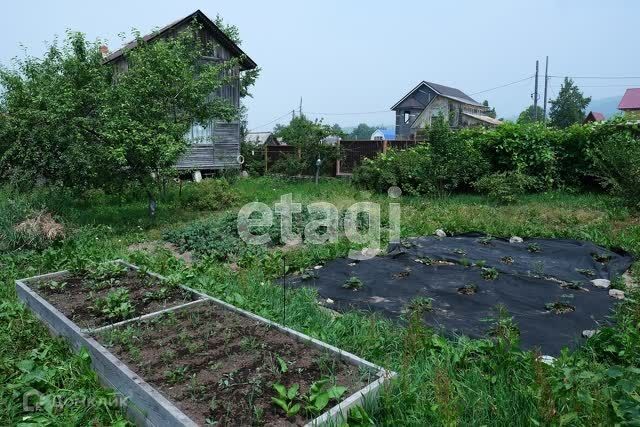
41,225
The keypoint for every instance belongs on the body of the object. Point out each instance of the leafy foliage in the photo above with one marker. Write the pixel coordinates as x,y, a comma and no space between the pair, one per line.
308,134
531,115
286,399
505,187
76,121
448,162
569,107
208,195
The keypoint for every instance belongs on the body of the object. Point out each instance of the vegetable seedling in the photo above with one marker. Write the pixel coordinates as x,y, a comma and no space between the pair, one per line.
286,399
353,283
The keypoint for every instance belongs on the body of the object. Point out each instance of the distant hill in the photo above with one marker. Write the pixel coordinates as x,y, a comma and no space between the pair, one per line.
607,106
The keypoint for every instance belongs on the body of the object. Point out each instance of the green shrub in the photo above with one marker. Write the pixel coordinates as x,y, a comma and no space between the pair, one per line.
448,162
505,187
253,158
616,158
210,194
526,148
288,165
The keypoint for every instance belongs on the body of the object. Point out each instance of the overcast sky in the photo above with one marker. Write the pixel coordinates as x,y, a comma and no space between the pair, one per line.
348,57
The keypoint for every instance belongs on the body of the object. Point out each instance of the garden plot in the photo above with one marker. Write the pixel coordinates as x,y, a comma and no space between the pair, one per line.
458,284
205,361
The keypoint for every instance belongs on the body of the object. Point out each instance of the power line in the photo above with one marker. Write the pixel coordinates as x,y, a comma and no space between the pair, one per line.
597,77
501,86
347,114
272,121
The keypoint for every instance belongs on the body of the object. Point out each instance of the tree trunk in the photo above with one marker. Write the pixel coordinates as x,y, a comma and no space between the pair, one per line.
153,204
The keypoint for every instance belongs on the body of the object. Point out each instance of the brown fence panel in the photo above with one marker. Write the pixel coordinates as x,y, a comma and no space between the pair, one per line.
353,152
273,153
402,145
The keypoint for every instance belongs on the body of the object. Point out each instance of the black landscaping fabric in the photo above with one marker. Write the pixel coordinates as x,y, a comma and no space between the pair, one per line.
530,276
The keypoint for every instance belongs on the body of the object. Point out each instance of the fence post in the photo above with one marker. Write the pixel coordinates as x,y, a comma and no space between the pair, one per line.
266,158
384,146
338,157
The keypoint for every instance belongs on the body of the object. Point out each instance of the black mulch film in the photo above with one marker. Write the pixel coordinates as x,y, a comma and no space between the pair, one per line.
465,295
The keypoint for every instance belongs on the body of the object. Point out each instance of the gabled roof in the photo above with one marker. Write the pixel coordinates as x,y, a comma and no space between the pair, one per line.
630,100
446,91
245,62
388,134
594,116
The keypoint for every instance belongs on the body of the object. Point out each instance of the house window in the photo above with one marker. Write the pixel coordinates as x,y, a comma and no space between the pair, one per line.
200,134
407,116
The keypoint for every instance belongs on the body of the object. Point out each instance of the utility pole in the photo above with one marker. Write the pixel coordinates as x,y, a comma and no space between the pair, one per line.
300,106
546,81
293,114
535,96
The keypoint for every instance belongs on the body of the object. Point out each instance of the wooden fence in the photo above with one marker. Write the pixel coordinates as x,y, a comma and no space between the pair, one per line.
353,152
273,153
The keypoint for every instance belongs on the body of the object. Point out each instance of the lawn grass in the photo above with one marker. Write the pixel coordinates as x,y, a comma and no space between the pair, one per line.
441,382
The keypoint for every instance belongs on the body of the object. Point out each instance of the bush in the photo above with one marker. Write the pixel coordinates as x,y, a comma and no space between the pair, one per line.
253,158
525,148
616,159
288,165
505,187
210,194
448,162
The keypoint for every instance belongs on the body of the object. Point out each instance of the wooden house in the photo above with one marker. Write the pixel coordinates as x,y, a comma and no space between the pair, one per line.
214,145
630,103
429,100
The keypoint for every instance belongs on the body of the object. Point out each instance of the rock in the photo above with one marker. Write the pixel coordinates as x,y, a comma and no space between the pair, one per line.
588,333
440,233
549,360
317,267
244,174
616,293
329,301
601,283
516,239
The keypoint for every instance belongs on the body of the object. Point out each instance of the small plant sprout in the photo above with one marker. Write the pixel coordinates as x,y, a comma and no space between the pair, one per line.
116,305
465,262
459,252
559,307
424,260
468,289
480,263
504,326
106,271
485,241
534,248
54,286
507,260
586,272
601,258
282,364
309,275
419,305
176,375
286,399
353,283
489,273
321,393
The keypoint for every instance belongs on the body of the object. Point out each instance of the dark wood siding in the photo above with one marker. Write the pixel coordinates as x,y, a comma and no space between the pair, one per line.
413,104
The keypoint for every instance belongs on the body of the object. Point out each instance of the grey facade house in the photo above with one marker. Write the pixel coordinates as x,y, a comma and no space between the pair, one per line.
429,100
261,138
214,145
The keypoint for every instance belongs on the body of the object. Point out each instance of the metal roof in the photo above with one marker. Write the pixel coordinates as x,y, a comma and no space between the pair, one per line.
486,119
442,90
630,100
246,62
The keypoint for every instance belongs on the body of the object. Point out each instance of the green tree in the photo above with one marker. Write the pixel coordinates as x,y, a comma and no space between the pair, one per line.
531,115
76,122
308,134
492,110
570,105
362,131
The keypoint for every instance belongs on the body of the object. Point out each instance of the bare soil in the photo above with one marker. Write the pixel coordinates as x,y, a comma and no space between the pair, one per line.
219,367
77,300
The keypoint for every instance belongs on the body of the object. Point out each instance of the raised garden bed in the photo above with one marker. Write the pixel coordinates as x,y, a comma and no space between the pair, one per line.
200,360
